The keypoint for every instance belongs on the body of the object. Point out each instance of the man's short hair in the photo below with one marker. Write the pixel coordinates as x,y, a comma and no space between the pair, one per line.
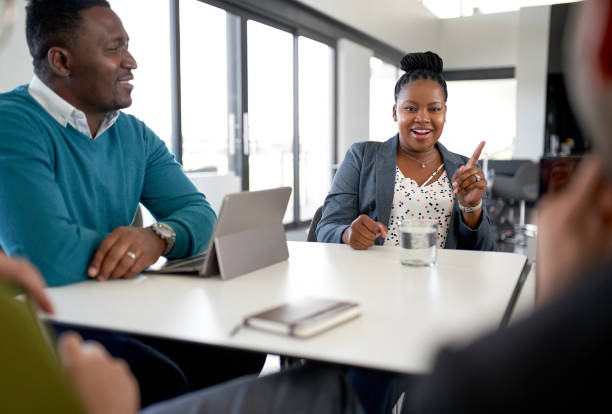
53,23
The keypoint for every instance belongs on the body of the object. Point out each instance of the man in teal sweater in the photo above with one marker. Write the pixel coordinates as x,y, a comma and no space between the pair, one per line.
73,169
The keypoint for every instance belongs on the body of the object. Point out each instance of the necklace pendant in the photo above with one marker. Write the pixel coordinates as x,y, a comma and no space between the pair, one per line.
422,165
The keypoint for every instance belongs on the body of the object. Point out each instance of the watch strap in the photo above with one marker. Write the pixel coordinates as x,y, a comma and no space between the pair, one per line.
167,233
470,209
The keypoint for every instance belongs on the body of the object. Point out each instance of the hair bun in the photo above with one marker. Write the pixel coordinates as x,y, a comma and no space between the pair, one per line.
422,61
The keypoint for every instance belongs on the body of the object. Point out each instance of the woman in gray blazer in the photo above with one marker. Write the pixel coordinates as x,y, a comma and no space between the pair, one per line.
380,184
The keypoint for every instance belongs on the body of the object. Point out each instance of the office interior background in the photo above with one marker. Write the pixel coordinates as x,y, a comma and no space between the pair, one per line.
254,94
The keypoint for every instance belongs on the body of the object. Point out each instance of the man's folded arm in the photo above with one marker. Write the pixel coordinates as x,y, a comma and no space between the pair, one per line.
34,219
172,198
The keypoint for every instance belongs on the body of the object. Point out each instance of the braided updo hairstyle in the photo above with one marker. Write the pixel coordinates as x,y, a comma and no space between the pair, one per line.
421,65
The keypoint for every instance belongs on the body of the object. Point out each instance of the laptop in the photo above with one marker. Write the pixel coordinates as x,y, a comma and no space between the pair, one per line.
249,235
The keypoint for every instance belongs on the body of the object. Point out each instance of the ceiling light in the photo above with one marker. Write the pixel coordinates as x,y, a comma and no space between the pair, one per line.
448,9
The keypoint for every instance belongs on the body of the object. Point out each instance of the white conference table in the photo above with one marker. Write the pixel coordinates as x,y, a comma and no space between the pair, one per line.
407,313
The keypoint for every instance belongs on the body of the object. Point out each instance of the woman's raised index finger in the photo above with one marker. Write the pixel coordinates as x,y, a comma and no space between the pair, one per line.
475,155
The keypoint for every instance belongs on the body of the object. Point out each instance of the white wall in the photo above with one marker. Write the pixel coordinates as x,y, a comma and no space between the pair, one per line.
353,94
479,41
404,24
15,60
518,39
531,74
414,36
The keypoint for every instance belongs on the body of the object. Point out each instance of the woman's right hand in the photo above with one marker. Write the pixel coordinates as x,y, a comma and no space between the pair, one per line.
362,232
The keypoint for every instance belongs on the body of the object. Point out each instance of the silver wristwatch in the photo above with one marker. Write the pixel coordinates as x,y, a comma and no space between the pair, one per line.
468,209
166,233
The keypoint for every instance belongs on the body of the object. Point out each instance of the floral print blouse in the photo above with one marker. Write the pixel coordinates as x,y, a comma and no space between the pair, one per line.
430,201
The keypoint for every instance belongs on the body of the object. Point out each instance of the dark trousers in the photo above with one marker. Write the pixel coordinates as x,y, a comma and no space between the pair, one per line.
166,368
307,389
380,392
312,388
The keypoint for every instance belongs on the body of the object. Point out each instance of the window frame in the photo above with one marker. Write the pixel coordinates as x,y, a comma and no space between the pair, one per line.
260,12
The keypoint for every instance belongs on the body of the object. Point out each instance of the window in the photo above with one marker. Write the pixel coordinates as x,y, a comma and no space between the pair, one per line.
315,123
204,87
270,74
481,110
383,77
276,89
150,46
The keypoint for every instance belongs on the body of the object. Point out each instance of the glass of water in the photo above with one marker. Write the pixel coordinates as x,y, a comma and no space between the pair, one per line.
418,242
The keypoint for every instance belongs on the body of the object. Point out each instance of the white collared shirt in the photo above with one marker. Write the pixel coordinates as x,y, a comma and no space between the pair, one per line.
65,113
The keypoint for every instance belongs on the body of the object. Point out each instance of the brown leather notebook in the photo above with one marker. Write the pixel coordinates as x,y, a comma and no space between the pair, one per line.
304,317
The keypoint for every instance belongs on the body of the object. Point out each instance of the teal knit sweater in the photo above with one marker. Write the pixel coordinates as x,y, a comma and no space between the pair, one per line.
62,193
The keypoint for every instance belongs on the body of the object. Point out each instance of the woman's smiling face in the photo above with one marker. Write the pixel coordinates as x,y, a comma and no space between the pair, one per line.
420,113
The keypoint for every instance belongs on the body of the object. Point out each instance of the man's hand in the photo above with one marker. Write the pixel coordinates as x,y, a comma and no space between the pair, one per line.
125,253
363,232
574,230
469,184
23,274
105,384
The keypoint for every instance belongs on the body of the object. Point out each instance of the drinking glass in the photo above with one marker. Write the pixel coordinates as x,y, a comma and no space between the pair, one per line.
418,242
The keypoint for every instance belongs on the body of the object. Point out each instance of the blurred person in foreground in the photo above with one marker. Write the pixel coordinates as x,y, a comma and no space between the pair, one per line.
31,380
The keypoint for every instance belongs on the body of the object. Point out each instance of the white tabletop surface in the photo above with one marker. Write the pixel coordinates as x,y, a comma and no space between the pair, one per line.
407,313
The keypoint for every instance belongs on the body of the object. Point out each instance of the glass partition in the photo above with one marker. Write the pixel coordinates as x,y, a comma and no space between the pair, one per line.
315,123
150,46
270,116
204,87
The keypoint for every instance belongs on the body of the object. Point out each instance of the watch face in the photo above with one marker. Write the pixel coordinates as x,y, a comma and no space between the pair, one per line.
164,230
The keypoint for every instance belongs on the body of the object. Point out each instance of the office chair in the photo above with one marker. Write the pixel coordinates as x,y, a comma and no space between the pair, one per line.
312,235
521,187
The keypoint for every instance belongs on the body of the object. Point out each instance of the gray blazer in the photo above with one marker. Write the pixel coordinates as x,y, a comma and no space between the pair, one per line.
364,184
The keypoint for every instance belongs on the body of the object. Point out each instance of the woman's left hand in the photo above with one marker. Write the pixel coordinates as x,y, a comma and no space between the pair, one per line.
469,182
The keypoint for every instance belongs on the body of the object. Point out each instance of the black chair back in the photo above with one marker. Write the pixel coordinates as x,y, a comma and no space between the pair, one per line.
312,236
